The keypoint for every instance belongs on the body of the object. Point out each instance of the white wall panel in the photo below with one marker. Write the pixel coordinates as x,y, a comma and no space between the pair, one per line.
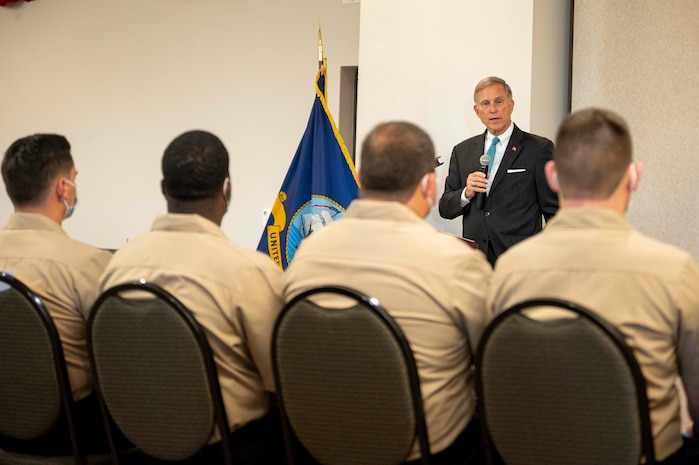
419,61
121,79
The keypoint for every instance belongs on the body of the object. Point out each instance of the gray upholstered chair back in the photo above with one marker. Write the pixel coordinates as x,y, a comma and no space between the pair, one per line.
30,400
347,382
35,392
154,372
561,391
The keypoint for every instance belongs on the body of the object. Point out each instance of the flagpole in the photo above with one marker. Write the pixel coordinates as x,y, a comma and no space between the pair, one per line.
320,184
322,60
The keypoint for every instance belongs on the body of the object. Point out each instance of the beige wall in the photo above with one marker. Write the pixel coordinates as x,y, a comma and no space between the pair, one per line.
122,78
640,58
550,65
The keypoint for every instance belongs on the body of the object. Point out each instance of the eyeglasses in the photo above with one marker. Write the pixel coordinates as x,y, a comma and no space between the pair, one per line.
437,162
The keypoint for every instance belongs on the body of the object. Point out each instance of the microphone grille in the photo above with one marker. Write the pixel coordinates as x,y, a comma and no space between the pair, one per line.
485,160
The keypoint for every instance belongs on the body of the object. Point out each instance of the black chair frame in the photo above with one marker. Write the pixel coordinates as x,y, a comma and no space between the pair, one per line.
221,419
373,305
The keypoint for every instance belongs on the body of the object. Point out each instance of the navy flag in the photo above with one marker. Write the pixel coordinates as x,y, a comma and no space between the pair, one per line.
319,186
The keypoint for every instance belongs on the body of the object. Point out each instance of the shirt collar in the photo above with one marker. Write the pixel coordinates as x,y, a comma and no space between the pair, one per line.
504,137
178,222
35,221
587,218
382,210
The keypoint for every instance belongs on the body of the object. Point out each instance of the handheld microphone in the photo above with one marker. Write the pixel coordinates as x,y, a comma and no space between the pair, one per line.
480,197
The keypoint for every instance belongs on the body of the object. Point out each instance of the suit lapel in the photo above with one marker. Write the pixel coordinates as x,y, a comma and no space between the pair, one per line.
511,153
479,148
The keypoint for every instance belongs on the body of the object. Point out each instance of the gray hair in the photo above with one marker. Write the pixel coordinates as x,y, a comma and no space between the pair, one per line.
489,81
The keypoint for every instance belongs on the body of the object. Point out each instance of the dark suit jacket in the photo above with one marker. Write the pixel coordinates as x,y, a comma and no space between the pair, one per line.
518,197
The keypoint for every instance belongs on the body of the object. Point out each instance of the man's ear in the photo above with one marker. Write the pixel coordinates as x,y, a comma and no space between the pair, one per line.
635,172
163,189
552,176
61,187
59,190
227,189
428,180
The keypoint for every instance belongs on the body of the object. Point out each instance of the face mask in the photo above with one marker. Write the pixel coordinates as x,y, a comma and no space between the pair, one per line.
70,208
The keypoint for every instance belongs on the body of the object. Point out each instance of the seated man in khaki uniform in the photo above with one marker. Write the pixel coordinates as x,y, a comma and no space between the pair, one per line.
433,284
39,177
233,292
588,254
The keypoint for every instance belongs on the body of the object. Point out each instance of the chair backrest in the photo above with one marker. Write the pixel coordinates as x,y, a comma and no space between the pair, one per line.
35,392
347,383
561,390
154,372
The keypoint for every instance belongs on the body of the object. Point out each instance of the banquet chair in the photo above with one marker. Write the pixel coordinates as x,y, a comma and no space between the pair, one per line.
155,374
35,395
560,388
347,383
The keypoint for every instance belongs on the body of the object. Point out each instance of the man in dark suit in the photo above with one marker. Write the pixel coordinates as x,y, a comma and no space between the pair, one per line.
517,196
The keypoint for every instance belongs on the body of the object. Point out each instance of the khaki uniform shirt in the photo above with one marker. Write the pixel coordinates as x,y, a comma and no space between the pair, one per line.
648,290
63,273
233,292
432,284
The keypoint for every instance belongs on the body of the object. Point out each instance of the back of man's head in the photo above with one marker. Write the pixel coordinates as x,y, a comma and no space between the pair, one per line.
593,153
395,157
195,166
30,166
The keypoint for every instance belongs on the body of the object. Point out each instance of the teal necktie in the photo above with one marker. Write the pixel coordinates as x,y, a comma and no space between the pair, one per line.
491,152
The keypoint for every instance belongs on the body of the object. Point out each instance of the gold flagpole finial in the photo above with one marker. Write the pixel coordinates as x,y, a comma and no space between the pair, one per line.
321,56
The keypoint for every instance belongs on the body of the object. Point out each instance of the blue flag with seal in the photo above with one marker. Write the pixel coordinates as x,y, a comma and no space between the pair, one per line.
319,186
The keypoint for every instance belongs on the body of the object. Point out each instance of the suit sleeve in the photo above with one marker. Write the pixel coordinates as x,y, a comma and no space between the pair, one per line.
548,199
450,203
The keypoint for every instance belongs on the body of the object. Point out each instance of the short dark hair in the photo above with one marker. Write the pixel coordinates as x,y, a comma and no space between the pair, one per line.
195,165
593,152
395,156
31,164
